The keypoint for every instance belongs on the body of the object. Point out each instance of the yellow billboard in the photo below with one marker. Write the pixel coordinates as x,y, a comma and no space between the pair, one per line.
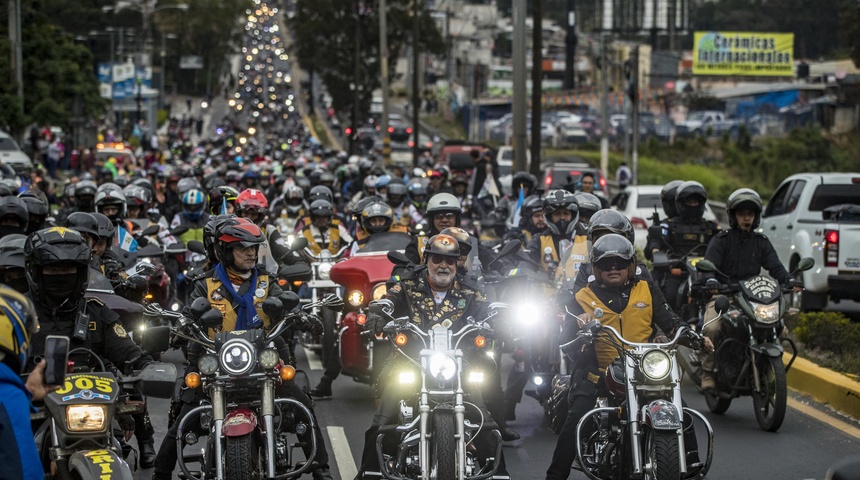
743,53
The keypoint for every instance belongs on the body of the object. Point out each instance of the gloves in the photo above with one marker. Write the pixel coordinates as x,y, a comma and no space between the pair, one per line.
375,323
136,282
795,283
712,284
312,324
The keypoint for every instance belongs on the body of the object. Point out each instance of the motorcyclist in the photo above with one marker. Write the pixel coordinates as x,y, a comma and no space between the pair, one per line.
324,232
405,214
57,266
418,198
655,231
438,181
222,200
532,221
253,205
18,322
37,208
12,262
614,293
111,202
192,218
13,216
522,183
586,185
237,241
433,296
739,253
588,204
687,231
561,212
443,211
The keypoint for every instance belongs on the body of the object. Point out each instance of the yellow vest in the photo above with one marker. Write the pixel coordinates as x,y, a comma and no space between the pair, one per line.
192,234
218,299
578,256
634,323
333,238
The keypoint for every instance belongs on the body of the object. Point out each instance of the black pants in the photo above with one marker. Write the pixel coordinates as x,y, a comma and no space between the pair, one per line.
670,290
165,462
581,399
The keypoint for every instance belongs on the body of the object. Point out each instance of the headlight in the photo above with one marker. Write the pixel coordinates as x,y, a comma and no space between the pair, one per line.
442,367
268,358
476,377
406,378
86,418
324,271
208,364
656,364
766,313
526,313
356,298
379,291
237,357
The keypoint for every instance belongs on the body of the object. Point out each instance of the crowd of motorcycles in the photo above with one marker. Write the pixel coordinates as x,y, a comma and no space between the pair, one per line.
247,431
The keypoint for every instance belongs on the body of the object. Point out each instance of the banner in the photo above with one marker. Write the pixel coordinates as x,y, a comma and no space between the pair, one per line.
743,53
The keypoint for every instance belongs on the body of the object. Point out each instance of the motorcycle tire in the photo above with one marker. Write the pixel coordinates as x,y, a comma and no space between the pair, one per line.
770,403
664,454
444,448
241,458
715,403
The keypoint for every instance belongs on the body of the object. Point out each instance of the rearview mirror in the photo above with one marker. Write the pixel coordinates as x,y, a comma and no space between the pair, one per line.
155,339
199,306
273,307
196,246
706,266
660,260
299,243
398,258
157,380
721,305
289,299
150,230
805,264
211,319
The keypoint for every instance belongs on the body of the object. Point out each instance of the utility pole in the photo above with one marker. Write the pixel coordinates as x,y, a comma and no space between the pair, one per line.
356,82
383,65
604,108
570,42
519,86
634,108
537,87
17,61
416,81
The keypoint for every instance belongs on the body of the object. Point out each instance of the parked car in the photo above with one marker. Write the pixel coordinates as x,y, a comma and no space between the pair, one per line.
12,155
638,203
573,134
706,123
818,215
457,155
660,127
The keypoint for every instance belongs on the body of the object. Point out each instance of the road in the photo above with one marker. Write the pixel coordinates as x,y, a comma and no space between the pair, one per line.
802,449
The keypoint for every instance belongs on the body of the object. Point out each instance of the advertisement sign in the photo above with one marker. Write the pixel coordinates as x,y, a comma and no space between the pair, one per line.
743,53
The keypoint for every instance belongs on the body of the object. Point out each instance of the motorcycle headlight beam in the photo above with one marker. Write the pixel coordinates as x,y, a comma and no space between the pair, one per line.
324,271
86,418
237,357
656,364
766,313
476,377
442,367
406,377
356,298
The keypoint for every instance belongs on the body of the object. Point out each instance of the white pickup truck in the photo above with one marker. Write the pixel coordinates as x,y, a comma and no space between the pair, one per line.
818,215
706,123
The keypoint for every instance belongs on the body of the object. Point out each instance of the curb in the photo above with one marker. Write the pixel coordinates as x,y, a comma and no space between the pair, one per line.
839,391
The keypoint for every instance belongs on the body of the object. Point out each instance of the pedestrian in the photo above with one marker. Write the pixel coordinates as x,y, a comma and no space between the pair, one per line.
623,175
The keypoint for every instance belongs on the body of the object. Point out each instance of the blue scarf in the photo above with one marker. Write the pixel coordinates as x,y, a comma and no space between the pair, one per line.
246,314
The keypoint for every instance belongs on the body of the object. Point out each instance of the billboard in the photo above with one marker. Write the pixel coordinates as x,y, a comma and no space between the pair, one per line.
743,53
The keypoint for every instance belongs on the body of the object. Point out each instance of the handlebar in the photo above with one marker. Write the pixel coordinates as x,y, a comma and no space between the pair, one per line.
590,332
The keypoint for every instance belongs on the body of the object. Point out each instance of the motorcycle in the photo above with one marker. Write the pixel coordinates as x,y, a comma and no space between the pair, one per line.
251,431
749,358
319,285
363,276
638,431
434,443
77,435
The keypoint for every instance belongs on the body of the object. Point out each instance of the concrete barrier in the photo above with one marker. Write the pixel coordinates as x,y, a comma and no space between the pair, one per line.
839,391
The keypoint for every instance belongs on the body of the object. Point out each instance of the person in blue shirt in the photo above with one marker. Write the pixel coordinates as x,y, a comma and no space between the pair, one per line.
18,321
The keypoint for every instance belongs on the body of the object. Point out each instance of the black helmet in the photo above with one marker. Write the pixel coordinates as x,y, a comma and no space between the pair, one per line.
667,198
107,229
57,246
395,194
611,246
235,232
85,195
377,210
84,223
111,198
744,199
687,191
612,221
294,198
525,179
12,250
219,195
588,203
209,234
321,208
442,245
37,209
14,209
531,205
320,192
560,200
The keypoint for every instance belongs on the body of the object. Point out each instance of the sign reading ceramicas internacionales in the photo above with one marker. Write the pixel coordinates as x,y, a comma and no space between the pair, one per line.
743,53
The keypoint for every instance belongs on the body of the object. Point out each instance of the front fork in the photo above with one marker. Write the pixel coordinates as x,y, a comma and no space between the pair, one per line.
268,411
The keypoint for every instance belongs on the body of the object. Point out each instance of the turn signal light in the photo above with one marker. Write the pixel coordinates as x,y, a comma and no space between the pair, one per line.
297,283
480,341
401,339
192,380
287,372
282,282
361,319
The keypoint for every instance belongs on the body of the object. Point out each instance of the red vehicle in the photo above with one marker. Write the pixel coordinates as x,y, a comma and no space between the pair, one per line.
363,277
457,156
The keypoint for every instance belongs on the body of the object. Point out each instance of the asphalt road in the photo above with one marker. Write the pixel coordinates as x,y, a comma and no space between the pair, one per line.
803,448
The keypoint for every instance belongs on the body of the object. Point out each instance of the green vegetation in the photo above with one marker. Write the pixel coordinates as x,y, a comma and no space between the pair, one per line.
829,339
445,128
321,132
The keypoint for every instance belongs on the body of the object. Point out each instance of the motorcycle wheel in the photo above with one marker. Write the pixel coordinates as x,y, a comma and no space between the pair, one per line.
241,458
770,403
715,403
444,448
664,453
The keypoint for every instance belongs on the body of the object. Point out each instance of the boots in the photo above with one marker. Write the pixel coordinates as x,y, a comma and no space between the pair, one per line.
147,453
322,473
323,389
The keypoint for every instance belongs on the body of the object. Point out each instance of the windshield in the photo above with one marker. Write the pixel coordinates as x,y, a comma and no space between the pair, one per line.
385,242
696,116
649,201
8,145
829,195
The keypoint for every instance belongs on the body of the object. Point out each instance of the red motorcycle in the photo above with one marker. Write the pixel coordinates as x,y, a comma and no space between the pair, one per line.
363,277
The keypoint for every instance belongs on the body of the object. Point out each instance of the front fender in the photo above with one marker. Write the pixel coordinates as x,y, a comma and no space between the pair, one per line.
101,464
768,349
239,422
662,415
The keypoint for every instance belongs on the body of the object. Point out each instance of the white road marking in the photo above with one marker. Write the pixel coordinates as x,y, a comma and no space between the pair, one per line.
342,453
314,360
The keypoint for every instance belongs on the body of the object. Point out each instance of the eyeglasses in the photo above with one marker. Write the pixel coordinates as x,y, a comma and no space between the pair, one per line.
613,264
446,216
439,259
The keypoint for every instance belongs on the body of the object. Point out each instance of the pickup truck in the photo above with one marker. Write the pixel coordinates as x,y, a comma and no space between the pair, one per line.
818,215
706,123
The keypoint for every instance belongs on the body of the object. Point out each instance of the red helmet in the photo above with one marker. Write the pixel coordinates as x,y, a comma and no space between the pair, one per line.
252,200
234,233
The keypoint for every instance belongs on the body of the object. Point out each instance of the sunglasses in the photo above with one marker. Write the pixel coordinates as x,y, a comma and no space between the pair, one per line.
614,264
439,259
447,216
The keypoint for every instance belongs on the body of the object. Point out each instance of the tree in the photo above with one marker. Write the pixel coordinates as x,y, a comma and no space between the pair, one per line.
326,32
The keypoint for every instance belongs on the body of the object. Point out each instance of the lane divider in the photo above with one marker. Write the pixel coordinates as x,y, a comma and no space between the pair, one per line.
834,422
342,453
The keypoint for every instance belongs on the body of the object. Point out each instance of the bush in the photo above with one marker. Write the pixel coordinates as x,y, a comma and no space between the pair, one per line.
832,339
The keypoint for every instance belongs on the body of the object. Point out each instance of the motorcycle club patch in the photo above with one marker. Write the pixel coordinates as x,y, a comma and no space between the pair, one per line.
260,292
221,307
598,312
262,284
640,305
119,331
217,296
395,289
461,304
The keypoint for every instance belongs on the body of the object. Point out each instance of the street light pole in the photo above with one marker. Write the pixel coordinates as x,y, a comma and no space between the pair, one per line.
16,55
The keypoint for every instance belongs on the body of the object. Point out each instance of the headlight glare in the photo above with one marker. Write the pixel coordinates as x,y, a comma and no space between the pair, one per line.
86,418
656,364
324,271
442,367
766,313
476,377
406,378
379,291
356,298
